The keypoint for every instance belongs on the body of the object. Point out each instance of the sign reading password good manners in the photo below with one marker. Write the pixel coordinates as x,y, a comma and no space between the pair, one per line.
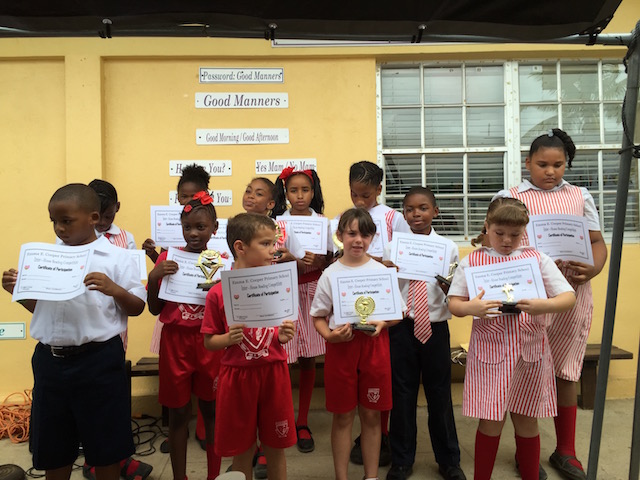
275,166
241,136
215,168
241,75
241,100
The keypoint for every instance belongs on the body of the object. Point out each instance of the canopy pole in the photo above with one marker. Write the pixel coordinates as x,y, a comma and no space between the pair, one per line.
631,100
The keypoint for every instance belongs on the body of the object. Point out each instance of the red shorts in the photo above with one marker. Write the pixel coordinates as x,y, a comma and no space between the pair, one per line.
185,367
254,399
358,372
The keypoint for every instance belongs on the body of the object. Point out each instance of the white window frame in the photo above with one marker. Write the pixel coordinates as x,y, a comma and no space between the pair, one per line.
514,152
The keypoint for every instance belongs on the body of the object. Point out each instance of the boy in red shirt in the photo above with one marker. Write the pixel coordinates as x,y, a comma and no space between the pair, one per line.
253,365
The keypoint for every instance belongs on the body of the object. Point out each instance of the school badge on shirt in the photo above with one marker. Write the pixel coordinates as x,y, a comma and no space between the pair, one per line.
373,395
256,341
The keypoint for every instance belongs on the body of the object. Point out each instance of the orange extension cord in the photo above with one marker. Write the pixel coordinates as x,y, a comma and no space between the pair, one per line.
15,416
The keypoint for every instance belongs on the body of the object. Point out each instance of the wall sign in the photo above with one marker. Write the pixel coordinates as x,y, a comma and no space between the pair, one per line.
266,167
241,75
12,331
215,168
241,136
241,100
221,198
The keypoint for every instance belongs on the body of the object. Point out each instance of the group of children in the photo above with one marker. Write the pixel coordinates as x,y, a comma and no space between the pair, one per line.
514,361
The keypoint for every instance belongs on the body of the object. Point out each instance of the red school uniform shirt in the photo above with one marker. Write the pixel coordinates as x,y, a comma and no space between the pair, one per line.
259,345
180,314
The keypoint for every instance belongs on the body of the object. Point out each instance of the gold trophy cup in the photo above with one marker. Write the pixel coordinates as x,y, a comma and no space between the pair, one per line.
209,261
364,307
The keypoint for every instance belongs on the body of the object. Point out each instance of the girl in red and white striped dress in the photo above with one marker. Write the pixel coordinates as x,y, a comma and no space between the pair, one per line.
509,366
302,190
548,193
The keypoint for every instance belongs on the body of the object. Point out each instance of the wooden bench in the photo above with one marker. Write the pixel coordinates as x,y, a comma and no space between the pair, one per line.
590,372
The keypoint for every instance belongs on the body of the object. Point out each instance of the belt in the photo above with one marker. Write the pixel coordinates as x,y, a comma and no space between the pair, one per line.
73,350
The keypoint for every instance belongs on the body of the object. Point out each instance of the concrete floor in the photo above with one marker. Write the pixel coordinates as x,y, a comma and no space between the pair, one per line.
613,463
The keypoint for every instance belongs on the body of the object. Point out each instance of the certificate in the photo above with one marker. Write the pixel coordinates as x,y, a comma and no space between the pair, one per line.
522,278
379,241
51,272
141,263
564,237
261,296
381,285
311,232
182,286
219,243
166,228
420,257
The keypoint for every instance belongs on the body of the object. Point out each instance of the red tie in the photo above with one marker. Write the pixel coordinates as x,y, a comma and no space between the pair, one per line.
418,300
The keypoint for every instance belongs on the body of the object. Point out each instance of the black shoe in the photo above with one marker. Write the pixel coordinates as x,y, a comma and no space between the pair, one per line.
562,463
399,472
305,445
356,452
164,446
385,451
202,442
451,472
260,468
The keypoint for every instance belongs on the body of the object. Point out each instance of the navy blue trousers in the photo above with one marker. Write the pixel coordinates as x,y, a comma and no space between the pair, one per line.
413,363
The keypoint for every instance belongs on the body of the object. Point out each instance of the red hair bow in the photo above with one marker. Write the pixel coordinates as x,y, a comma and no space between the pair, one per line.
204,197
287,172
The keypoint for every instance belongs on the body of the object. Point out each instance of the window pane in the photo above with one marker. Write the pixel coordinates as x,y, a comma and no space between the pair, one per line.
631,223
584,172
582,122
486,173
485,84
485,126
401,173
443,85
579,82
610,169
444,174
612,123
401,127
538,83
450,220
534,121
614,82
443,127
400,86
477,213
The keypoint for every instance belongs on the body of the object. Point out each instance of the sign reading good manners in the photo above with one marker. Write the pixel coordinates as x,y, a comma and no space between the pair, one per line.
241,136
241,75
215,168
241,100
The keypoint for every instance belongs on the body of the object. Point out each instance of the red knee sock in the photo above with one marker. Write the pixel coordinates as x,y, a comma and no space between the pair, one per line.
528,456
213,462
307,381
566,432
384,422
485,455
200,432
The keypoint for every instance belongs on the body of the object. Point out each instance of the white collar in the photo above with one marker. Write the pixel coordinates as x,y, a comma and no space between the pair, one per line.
527,185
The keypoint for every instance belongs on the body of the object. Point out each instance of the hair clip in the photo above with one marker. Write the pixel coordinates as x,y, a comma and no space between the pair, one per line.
288,171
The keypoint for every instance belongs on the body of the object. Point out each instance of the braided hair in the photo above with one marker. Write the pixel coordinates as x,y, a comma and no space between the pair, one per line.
556,138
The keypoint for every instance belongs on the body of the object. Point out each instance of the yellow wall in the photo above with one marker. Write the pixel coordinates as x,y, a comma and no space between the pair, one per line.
120,109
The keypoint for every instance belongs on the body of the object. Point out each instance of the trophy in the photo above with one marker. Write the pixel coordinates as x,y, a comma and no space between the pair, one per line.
447,280
339,245
365,307
509,305
209,261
